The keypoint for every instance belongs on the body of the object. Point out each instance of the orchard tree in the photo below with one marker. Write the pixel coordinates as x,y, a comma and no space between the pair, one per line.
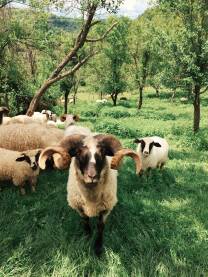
115,56
88,9
191,46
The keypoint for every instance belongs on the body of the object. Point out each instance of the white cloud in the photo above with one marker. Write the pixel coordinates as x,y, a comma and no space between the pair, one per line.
133,8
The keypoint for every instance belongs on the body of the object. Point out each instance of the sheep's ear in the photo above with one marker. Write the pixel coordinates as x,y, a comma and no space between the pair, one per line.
116,160
76,117
108,144
60,156
24,158
72,143
63,117
157,144
138,140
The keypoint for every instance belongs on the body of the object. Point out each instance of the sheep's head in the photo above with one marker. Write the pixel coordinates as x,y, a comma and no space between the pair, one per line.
147,145
31,157
69,119
90,155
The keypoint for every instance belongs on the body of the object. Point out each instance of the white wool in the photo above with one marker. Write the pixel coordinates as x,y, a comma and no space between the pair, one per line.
77,130
17,172
21,137
157,156
93,201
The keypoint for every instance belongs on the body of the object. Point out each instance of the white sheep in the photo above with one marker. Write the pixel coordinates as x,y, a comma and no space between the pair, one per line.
19,167
92,181
153,151
40,117
72,129
21,137
102,101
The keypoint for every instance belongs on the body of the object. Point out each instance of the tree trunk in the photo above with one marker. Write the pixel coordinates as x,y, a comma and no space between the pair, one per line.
196,104
66,95
114,98
140,99
157,92
101,95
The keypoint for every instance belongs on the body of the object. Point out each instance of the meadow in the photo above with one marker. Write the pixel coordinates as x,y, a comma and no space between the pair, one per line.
160,224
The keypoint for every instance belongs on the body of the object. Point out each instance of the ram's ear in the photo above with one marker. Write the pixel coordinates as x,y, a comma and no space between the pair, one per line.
157,144
72,144
59,154
109,144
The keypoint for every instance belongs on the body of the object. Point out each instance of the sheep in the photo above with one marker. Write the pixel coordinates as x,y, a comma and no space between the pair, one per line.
153,151
19,167
51,116
21,137
40,118
103,101
92,181
24,119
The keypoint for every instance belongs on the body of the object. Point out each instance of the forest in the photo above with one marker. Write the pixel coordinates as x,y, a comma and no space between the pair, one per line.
131,78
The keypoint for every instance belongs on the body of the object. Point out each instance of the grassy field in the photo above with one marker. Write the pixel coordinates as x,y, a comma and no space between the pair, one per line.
158,228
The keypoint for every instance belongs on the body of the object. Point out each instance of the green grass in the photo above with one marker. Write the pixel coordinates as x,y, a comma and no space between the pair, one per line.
159,226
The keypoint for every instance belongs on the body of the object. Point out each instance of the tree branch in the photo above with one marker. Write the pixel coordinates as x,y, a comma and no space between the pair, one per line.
5,3
74,69
204,90
95,22
103,36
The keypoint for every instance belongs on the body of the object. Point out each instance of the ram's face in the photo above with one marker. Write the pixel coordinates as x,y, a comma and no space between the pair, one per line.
91,161
147,146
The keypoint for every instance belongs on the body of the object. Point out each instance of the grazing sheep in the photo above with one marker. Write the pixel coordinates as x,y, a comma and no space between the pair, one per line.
92,182
19,167
102,101
72,129
21,137
24,119
153,152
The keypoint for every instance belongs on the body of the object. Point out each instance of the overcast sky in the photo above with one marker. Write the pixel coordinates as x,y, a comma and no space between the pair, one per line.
133,8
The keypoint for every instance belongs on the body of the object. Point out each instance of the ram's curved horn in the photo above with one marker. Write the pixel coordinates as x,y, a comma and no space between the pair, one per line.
59,154
117,158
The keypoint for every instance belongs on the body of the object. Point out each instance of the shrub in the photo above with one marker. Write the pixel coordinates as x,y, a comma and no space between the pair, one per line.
115,113
115,129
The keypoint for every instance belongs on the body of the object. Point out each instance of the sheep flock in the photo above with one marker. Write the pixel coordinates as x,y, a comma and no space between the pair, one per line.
29,145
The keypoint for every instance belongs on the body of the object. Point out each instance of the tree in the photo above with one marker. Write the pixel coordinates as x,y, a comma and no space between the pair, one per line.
191,47
89,8
114,55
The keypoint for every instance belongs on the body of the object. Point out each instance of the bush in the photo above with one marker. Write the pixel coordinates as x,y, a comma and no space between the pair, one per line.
115,129
116,113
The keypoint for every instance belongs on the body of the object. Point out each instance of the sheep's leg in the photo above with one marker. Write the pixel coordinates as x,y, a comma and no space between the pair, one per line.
162,165
22,190
87,227
86,221
99,240
33,182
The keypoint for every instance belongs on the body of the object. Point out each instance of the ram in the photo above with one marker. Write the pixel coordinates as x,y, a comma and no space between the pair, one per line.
92,181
